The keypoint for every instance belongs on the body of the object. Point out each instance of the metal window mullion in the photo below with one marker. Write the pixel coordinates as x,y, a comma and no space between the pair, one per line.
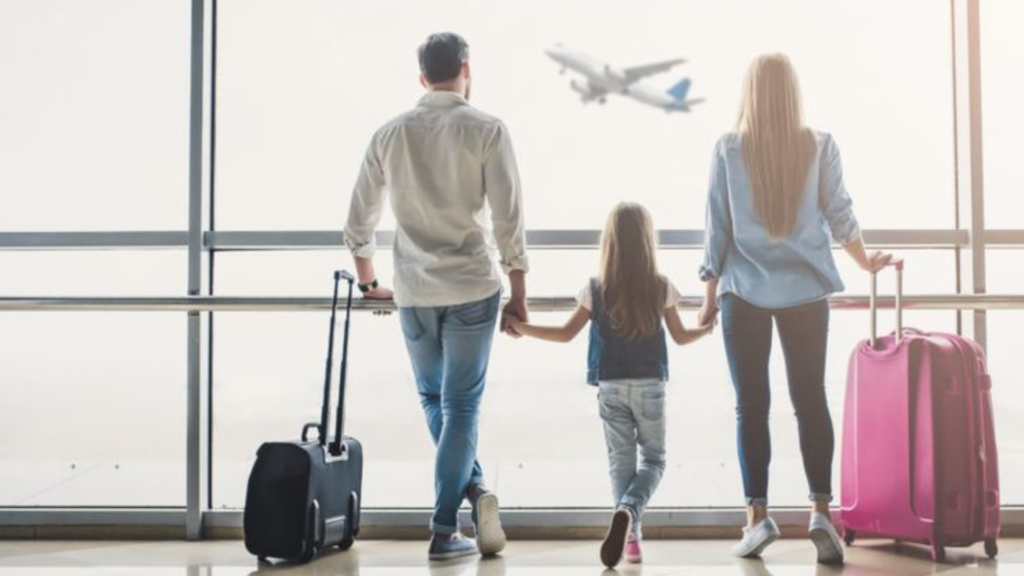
970,161
977,168
193,409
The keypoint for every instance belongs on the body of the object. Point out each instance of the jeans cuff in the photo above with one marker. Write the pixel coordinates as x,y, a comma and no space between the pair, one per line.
820,497
760,501
442,529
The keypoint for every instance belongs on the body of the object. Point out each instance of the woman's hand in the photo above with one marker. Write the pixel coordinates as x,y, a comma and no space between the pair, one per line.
708,314
876,261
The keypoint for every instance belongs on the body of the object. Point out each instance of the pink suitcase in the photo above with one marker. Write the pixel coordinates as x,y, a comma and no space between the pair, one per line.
919,450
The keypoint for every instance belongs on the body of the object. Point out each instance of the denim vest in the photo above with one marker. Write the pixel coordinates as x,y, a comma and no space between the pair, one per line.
611,357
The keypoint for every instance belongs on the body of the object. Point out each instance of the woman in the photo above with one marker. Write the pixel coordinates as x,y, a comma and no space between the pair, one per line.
775,196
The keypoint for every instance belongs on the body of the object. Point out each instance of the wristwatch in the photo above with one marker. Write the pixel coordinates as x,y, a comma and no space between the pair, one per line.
364,288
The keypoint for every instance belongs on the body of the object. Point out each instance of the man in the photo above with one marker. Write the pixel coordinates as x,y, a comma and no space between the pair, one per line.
444,162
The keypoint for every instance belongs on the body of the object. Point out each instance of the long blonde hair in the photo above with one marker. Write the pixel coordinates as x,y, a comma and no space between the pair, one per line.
632,289
777,148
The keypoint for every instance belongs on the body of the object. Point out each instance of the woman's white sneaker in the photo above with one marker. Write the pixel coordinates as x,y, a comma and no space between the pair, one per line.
826,540
756,539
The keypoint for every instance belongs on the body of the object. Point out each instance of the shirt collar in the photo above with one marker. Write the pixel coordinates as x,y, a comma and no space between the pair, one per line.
442,99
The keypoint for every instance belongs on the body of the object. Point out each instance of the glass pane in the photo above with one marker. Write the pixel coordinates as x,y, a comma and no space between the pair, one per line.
289,157
269,370
1006,364
1003,119
93,410
94,273
94,109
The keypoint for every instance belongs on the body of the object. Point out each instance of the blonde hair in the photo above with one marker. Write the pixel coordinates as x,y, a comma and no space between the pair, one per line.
777,148
631,288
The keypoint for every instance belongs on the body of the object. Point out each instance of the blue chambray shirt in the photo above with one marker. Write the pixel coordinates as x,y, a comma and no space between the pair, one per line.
748,262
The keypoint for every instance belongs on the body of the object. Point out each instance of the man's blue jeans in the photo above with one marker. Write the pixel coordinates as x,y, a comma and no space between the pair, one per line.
449,347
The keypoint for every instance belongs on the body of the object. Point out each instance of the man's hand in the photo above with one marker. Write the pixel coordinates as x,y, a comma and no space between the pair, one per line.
516,305
380,293
515,308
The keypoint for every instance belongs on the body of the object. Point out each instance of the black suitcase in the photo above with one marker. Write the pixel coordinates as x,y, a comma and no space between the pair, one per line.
304,496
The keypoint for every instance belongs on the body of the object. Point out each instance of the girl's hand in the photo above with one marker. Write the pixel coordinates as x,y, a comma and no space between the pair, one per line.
514,322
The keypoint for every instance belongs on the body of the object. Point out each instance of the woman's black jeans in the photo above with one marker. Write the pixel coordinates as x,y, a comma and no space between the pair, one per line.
803,330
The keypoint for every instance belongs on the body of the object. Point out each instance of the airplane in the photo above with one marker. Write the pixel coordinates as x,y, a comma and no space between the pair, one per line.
600,79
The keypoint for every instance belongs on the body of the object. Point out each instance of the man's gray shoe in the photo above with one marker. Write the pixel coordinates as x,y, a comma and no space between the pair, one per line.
756,539
446,547
490,536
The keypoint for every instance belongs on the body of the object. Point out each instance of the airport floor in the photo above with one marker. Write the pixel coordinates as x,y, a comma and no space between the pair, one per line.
522,558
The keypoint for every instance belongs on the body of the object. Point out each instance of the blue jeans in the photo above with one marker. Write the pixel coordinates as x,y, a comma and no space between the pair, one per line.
803,331
449,347
633,412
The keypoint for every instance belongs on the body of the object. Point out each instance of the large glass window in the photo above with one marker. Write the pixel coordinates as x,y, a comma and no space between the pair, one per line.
95,137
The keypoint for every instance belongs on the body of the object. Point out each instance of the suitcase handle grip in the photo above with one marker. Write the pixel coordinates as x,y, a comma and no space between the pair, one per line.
898,265
307,427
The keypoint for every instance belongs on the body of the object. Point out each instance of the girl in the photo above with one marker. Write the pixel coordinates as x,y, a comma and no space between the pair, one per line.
628,362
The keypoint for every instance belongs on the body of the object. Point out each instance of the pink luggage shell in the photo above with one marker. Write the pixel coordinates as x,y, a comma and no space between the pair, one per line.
919,453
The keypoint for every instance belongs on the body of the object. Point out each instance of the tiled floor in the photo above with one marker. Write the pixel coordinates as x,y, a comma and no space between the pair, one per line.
538,558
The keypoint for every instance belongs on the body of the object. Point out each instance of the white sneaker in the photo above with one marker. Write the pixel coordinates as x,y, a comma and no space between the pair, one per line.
823,534
756,539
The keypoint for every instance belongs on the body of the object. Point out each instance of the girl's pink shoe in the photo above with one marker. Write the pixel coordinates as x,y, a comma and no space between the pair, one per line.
634,554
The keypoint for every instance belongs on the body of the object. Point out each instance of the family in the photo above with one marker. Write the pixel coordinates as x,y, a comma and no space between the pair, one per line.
776,202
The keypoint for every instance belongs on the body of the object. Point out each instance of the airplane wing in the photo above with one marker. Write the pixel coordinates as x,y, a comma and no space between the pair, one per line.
637,72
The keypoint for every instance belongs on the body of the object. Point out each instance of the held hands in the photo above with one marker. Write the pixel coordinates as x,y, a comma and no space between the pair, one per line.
708,315
514,314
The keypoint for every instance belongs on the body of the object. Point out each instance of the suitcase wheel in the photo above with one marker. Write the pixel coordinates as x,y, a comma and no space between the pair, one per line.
991,548
346,542
938,553
849,536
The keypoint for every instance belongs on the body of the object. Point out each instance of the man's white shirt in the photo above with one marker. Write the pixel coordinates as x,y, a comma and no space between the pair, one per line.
454,188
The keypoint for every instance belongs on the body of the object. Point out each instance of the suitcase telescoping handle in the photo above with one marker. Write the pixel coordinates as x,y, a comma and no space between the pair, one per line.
325,408
338,445
898,265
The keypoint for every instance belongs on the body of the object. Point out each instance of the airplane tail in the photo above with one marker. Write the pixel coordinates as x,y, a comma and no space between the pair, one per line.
680,90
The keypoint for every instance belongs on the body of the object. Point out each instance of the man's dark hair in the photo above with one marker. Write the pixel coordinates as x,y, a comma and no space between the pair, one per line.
442,55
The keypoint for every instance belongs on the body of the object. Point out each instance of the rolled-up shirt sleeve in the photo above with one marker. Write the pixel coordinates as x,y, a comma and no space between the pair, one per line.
834,200
505,197
367,205
718,221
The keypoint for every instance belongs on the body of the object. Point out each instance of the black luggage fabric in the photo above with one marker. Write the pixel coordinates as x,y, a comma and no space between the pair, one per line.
304,496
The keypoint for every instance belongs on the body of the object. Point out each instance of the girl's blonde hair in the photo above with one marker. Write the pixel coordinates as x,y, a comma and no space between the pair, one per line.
777,148
631,288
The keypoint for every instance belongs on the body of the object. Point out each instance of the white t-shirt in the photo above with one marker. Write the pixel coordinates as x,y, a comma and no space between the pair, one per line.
586,298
